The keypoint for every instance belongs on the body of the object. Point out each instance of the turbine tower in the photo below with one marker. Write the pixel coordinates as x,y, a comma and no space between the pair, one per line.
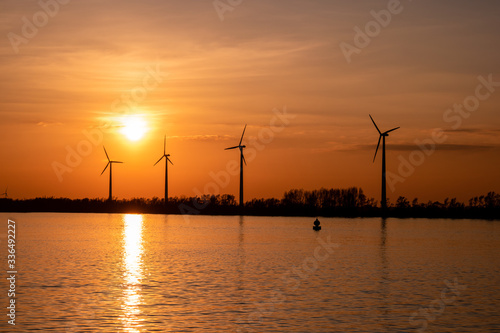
165,155
242,160
383,202
110,163
5,193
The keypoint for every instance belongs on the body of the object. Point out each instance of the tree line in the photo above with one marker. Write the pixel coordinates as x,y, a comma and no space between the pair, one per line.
350,202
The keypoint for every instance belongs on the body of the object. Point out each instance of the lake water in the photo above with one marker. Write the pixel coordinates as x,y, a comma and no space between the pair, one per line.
147,273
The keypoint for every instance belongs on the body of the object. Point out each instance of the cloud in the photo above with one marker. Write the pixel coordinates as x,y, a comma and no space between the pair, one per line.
453,146
206,137
48,123
340,147
474,131
444,146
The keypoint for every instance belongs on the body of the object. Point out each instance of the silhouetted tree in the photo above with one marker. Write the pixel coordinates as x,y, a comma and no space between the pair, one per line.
402,203
414,203
294,197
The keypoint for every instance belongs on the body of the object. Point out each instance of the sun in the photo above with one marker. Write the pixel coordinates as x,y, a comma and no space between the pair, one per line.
134,127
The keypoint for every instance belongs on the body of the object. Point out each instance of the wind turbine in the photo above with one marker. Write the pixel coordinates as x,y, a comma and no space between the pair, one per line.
165,155
382,137
242,160
5,193
110,163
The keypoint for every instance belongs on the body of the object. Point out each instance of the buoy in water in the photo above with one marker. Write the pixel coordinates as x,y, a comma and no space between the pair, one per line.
316,226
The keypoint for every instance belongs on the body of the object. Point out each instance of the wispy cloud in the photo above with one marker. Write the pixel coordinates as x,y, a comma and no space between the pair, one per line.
484,131
444,147
206,137
340,147
48,123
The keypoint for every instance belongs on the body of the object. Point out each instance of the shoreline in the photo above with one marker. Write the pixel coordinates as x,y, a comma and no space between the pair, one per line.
187,206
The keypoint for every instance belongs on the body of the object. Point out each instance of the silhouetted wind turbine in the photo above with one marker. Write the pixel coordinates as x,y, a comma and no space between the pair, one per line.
110,163
165,155
5,193
382,136
242,160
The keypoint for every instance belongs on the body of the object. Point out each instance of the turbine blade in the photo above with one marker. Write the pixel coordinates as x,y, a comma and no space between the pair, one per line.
159,160
376,150
116,162
242,135
168,159
375,125
243,157
106,153
105,168
164,144
232,147
392,130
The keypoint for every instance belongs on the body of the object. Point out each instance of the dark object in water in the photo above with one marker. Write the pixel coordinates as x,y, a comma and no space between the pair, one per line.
316,225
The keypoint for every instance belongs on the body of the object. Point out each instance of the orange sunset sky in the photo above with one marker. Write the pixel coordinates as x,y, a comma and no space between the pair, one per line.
73,66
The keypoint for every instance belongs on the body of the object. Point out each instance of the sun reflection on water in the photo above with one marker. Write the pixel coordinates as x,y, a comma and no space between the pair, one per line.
132,260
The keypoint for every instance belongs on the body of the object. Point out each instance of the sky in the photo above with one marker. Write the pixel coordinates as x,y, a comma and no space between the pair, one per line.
303,74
